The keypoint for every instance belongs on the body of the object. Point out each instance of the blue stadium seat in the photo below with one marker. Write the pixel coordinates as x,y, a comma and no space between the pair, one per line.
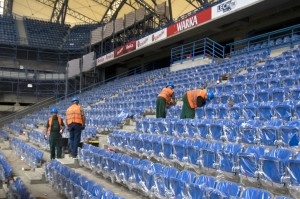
269,132
199,189
148,176
203,128
248,132
294,93
235,112
168,147
263,95
162,182
178,184
273,166
293,176
193,151
250,111
278,95
225,189
211,111
248,163
227,159
179,150
261,84
284,110
265,110
222,111
208,156
289,134
250,193
199,113
248,97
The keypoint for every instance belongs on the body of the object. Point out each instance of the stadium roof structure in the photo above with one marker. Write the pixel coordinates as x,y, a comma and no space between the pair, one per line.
97,11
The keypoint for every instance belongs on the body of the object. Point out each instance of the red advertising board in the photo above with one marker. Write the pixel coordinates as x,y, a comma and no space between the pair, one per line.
189,22
128,47
119,51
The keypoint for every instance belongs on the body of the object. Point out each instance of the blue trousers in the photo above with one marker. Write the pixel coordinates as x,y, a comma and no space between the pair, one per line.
75,135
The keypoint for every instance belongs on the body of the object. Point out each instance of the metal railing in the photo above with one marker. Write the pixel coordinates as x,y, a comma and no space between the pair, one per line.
200,48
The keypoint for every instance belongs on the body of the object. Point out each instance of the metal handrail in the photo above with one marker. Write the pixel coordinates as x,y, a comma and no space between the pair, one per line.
203,48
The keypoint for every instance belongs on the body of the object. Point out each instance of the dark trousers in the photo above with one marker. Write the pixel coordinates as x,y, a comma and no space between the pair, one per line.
187,112
75,135
55,140
161,111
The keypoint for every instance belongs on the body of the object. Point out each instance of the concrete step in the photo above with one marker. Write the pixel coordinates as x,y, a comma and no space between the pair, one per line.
3,192
69,161
150,116
36,176
129,128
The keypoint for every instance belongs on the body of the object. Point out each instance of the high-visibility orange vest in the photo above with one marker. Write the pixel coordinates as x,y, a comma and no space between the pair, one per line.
50,120
74,114
192,96
166,93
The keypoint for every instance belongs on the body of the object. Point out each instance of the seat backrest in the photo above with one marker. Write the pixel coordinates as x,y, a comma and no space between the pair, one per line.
187,176
229,188
282,154
208,181
250,193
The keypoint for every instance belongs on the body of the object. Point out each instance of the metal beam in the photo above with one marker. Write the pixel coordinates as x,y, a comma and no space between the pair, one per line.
59,11
199,3
170,10
112,11
146,6
70,12
203,3
192,3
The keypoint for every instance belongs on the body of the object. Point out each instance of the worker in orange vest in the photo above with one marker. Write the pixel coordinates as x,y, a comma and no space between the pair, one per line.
165,99
76,123
54,129
192,99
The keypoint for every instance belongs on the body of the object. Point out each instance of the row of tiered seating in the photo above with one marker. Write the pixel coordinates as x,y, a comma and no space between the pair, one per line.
79,36
42,34
277,41
269,133
155,179
8,31
17,189
29,154
75,185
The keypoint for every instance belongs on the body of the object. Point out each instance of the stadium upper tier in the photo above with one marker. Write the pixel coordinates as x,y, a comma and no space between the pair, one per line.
8,30
43,34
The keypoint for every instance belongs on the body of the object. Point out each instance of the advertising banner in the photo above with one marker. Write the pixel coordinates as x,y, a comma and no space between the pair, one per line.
230,6
105,58
189,22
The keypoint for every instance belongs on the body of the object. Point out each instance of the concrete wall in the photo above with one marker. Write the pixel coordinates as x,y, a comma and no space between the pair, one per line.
190,63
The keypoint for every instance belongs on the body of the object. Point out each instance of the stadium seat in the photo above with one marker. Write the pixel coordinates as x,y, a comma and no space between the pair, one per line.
162,182
250,193
288,135
178,184
273,167
269,133
225,189
248,164
248,132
